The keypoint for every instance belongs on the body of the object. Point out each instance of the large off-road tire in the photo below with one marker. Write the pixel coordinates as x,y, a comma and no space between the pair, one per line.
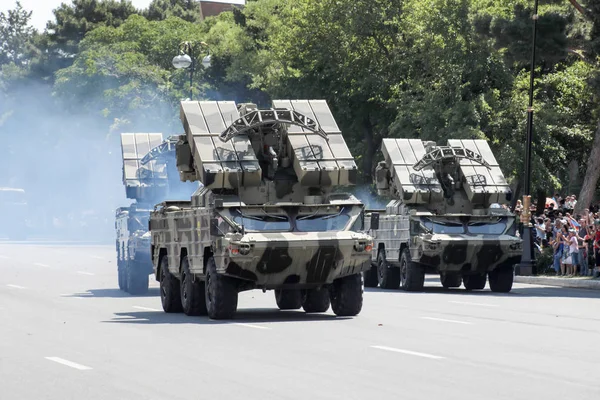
474,282
412,274
346,295
450,280
122,275
221,293
137,278
388,277
316,300
370,276
501,279
193,300
288,299
169,289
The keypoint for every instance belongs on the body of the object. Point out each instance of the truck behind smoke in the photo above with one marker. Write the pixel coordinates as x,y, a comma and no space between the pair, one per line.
13,218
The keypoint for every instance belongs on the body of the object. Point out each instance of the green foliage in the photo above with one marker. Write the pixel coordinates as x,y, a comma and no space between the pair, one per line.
430,69
127,70
159,10
15,35
544,260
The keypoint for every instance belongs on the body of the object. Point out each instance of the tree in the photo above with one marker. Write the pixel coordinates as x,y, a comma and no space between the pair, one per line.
592,48
125,76
159,10
59,44
15,36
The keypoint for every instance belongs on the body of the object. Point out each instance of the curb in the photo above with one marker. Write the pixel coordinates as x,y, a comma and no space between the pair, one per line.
566,283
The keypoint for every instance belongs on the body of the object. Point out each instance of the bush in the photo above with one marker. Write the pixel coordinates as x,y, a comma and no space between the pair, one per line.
544,260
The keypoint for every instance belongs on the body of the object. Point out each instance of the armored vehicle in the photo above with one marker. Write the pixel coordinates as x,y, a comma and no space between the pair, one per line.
444,217
149,175
13,219
266,217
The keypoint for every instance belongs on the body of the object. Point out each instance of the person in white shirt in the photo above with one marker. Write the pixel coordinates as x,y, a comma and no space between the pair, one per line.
573,252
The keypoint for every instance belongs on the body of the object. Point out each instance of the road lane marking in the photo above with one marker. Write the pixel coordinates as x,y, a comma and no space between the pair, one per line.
72,296
145,308
15,286
41,265
85,273
447,320
474,304
252,326
412,353
68,363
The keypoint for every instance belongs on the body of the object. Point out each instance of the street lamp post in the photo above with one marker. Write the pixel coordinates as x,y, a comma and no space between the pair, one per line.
528,259
185,59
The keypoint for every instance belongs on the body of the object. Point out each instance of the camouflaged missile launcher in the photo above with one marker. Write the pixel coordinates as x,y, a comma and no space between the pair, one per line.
148,163
445,217
266,216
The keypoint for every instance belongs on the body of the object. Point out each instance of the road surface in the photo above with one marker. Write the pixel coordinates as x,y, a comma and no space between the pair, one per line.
67,332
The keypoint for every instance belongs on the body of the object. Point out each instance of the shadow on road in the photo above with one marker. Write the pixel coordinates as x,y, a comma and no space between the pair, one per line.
99,293
257,315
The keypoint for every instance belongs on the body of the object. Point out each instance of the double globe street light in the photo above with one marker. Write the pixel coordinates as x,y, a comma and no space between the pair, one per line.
185,59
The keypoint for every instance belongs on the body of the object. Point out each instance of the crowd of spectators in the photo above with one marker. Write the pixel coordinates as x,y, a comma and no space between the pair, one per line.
573,240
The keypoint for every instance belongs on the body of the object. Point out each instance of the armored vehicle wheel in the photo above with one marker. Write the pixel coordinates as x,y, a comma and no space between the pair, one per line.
346,295
193,299
122,276
450,280
388,277
288,299
169,289
315,300
137,278
412,275
370,276
221,293
501,279
474,282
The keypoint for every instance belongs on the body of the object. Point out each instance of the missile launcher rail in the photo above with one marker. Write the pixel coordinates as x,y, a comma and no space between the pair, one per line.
459,177
236,148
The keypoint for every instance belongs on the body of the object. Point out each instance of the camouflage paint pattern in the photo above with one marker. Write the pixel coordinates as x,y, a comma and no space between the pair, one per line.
411,174
255,162
274,259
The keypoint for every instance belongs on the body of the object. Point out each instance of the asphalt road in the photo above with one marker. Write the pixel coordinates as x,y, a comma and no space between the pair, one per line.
67,332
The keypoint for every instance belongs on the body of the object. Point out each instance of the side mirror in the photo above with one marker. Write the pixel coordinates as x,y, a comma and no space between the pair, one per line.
214,227
374,221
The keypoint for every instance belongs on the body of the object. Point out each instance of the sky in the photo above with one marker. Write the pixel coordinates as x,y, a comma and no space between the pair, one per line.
42,9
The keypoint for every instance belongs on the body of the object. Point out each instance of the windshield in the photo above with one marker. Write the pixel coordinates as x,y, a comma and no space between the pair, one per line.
494,226
264,222
138,222
443,226
322,223
497,227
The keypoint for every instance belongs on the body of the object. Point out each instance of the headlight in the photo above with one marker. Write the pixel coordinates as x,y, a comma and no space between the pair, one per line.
433,245
360,246
516,246
239,249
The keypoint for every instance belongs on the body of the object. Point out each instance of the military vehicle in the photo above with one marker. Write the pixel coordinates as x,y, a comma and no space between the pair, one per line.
13,219
149,175
267,217
443,217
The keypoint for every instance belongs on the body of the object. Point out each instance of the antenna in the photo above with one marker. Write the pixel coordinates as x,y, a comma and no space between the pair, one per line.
238,180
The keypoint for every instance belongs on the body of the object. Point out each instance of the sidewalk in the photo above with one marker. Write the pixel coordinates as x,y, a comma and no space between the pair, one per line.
577,282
